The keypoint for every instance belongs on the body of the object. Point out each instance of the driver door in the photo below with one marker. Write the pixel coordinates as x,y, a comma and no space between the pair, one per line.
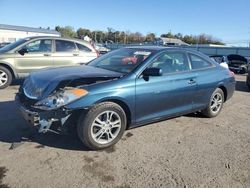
38,56
167,95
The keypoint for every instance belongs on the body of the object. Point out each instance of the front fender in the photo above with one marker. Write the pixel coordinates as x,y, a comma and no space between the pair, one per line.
12,69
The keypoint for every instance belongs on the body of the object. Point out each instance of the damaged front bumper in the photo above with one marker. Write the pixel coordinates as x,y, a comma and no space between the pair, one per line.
42,119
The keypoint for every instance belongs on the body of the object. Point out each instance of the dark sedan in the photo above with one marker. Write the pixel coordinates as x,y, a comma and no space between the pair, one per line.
125,88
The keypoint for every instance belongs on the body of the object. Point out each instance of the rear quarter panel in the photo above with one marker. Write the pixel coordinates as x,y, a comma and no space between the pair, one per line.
210,79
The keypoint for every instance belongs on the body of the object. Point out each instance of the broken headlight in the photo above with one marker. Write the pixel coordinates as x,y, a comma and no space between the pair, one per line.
60,99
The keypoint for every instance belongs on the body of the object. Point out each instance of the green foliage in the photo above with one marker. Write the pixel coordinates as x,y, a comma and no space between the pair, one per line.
150,37
194,39
127,37
66,31
81,33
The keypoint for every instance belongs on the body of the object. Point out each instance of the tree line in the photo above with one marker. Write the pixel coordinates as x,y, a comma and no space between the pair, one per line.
127,37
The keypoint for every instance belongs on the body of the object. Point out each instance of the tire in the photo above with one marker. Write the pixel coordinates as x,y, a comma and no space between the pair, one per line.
243,70
214,108
94,128
5,77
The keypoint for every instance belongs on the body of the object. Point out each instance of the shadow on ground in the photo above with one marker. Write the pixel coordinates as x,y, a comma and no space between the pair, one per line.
15,130
17,82
241,86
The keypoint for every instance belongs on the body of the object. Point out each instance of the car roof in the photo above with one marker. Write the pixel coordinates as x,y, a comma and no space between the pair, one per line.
154,48
158,49
55,37
162,48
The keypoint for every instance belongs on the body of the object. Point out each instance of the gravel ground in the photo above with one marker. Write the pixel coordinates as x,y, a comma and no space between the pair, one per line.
188,151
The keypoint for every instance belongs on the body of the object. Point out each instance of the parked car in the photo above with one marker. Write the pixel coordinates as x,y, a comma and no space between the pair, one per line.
222,60
4,44
101,48
20,58
123,89
236,63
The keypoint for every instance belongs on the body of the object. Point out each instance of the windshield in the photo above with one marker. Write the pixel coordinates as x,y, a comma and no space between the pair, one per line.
12,45
123,60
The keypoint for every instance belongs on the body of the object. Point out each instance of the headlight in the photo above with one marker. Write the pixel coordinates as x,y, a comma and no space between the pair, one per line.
60,98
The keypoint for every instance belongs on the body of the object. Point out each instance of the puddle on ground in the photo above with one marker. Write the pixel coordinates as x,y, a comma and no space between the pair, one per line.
88,159
129,134
97,169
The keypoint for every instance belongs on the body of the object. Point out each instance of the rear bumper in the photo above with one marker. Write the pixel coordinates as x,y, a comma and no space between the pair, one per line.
238,69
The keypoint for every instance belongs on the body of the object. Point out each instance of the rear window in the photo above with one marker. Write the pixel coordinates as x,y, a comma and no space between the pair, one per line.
83,48
198,62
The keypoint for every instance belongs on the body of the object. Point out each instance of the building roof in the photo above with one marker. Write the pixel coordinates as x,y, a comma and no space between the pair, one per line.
173,40
28,29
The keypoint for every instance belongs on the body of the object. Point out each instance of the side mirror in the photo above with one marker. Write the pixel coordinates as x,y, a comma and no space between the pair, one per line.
23,51
153,71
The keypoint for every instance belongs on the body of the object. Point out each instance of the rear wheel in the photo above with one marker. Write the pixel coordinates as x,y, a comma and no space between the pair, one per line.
5,77
215,104
102,126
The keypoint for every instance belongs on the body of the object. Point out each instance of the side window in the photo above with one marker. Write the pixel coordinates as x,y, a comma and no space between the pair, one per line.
198,62
171,62
83,48
65,46
43,45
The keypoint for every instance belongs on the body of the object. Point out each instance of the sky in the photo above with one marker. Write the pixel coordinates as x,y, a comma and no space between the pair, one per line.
227,20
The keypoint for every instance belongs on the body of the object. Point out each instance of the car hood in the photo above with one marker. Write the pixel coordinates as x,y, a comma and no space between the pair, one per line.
42,83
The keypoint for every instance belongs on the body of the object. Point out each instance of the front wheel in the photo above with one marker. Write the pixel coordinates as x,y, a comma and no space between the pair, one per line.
102,126
5,77
215,104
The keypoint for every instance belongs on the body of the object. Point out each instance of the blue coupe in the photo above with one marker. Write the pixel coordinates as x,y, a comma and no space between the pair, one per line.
123,89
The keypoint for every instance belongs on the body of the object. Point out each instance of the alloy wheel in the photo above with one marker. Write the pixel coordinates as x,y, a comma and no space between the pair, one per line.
216,102
3,78
105,127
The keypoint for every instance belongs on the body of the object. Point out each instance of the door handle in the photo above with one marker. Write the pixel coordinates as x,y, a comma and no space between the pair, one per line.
191,81
75,54
47,54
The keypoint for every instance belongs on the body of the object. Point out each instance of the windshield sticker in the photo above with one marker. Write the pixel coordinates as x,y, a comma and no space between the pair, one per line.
142,53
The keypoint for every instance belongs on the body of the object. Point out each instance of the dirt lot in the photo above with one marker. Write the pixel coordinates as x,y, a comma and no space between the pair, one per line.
188,151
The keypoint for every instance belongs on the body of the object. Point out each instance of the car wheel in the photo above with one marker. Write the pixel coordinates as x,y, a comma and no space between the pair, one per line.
243,70
102,126
215,104
5,77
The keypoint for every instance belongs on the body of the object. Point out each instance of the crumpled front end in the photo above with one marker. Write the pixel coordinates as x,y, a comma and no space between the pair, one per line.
42,119
45,94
